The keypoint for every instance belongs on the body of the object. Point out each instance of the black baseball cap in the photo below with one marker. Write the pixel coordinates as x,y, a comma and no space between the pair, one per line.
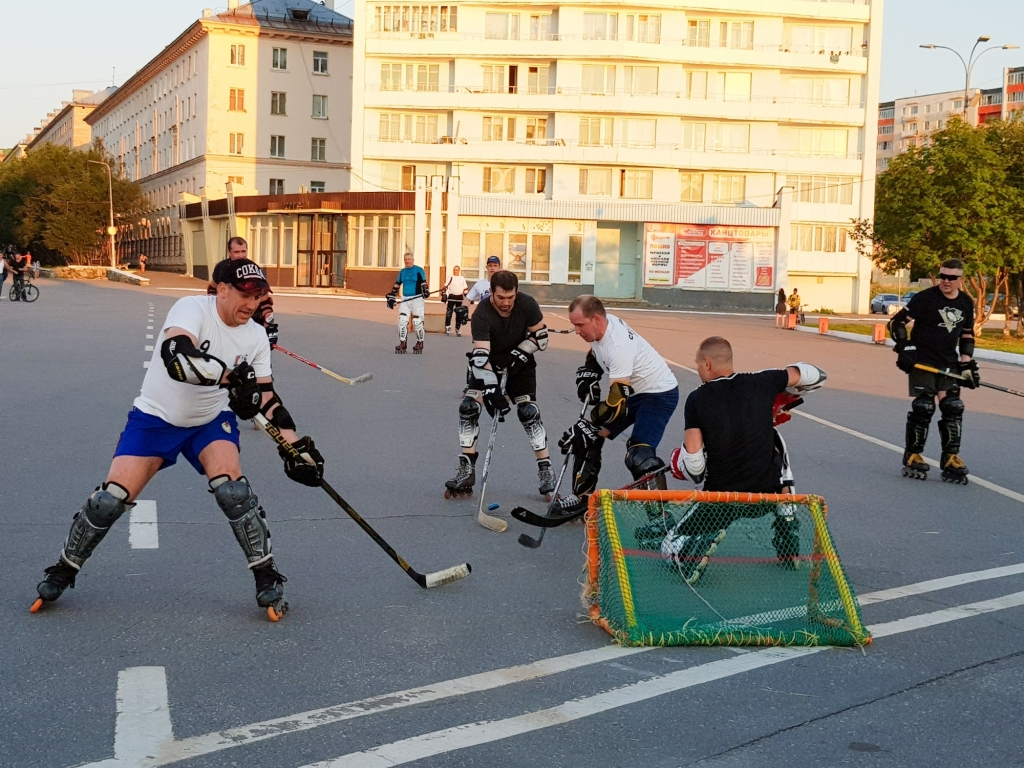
243,274
493,260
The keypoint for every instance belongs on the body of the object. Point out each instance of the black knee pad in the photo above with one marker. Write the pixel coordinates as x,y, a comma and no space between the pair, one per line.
469,422
93,521
951,406
641,459
529,417
106,505
922,409
234,497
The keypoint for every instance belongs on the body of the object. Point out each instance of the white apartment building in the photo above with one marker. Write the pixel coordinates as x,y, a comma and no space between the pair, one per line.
688,155
252,100
66,127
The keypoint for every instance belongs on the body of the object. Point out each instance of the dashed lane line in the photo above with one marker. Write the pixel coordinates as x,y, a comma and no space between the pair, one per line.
173,751
142,526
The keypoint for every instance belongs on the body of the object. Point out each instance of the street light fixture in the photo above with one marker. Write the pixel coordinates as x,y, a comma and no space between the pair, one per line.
111,230
971,60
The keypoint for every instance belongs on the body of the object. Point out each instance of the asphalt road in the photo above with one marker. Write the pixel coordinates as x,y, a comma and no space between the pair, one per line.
160,655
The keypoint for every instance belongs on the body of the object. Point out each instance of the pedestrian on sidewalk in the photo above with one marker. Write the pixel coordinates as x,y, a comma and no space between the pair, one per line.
453,294
142,263
780,309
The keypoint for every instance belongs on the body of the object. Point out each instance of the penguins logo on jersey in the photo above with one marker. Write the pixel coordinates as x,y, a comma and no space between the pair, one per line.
951,318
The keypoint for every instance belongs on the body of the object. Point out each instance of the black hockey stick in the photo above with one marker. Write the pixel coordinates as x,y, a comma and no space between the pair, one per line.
357,380
428,580
961,377
542,521
524,538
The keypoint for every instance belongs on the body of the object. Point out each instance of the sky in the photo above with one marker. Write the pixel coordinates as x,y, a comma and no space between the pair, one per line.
48,48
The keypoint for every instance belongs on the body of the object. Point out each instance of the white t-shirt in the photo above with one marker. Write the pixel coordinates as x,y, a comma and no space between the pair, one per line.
481,290
188,405
625,354
456,286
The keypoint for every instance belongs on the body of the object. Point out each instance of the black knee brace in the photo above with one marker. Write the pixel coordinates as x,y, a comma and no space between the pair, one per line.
469,422
920,416
246,517
641,460
93,521
952,422
529,417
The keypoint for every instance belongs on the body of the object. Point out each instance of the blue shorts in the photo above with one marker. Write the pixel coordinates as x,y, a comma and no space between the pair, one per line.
151,436
649,413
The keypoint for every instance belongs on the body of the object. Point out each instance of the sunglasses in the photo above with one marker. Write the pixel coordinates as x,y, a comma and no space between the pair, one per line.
949,278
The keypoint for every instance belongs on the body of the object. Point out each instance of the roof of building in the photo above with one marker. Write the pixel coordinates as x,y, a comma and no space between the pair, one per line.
277,14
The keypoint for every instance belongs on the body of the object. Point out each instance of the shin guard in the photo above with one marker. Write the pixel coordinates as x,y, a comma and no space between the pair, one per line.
93,521
246,517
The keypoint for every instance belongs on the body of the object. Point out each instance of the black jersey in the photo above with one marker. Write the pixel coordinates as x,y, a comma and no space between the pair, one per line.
734,415
505,333
939,324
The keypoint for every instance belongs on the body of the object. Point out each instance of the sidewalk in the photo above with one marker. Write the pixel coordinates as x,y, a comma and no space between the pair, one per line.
167,280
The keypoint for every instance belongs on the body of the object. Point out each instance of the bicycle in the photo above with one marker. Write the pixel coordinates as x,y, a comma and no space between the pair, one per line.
801,317
29,292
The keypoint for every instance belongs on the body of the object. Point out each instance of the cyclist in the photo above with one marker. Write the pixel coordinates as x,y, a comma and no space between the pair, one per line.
19,264
794,301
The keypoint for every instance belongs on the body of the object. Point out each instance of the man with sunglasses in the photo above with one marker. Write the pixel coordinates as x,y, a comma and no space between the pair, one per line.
941,336
213,362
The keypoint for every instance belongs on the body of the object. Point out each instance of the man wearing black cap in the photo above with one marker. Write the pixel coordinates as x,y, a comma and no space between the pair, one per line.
264,314
213,362
481,289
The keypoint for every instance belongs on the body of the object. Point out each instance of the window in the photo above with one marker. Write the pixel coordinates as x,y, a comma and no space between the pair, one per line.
277,186
471,255
696,85
540,27
499,180
731,137
317,186
691,187
823,189
821,39
596,181
1015,78
318,151
236,100
600,26
319,62
235,143
698,33
636,183
728,188
738,34
641,81
829,91
390,77
884,146
536,181
819,142
399,177
913,110
320,107
575,259
887,114
277,146
238,55
501,26
421,129
596,131
1016,96
494,128
416,18
279,58
421,77
536,130
537,79
239,180
380,240
734,86
278,103
820,238
639,133
495,79
539,266
958,104
694,136
648,28
885,130
599,80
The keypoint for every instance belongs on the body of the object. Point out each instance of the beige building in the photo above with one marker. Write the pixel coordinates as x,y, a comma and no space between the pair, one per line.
67,127
642,150
252,100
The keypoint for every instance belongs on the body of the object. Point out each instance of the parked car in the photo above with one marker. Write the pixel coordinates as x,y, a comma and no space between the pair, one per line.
878,303
906,297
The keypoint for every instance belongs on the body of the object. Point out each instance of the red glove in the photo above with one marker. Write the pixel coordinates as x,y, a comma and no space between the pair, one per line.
677,464
784,403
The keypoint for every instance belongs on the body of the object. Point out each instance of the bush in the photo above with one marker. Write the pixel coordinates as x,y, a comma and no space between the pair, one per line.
824,311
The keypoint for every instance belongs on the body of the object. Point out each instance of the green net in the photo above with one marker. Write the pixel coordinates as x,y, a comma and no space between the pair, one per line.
696,568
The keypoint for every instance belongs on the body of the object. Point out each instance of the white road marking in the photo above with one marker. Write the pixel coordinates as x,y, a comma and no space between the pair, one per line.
474,734
888,446
149,335
142,528
486,681
149,348
145,363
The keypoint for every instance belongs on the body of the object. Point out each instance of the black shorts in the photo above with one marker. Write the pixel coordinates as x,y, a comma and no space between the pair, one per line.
522,383
930,384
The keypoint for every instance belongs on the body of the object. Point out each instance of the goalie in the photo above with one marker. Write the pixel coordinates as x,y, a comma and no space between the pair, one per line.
731,444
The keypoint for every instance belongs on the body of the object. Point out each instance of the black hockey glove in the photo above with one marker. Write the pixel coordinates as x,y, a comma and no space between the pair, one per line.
588,382
907,357
300,470
424,291
495,400
273,334
243,392
444,296
579,438
972,377
392,299
519,359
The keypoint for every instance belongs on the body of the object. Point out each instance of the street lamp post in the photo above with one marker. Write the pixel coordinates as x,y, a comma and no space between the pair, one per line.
111,230
971,60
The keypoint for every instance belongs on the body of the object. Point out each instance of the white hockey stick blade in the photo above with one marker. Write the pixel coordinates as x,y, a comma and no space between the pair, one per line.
361,379
495,524
448,575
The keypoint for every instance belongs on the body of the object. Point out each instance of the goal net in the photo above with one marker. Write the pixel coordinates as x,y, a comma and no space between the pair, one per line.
709,568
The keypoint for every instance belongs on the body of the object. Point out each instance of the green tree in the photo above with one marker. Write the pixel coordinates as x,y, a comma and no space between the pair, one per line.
950,199
1007,138
56,201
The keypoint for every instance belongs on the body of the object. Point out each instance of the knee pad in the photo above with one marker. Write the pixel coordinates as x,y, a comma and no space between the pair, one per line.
951,406
529,417
641,459
585,469
247,519
93,521
922,409
469,422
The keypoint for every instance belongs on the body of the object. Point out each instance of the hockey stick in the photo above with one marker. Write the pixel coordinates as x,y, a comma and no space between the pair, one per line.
357,380
961,377
417,296
524,538
542,521
495,524
556,330
428,580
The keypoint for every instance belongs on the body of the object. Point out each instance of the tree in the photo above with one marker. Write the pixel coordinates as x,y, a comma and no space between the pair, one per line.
56,201
1007,138
950,199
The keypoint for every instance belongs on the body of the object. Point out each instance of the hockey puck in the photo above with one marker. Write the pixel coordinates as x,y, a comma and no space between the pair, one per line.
492,507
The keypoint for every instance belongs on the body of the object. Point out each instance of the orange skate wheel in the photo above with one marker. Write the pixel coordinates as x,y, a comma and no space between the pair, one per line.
36,605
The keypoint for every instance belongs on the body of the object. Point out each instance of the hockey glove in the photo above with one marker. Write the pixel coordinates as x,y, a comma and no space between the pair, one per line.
243,392
425,291
519,359
972,377
301,470
579,438
444,296
273,334
588,382
494,400
907,357
392,299
677,464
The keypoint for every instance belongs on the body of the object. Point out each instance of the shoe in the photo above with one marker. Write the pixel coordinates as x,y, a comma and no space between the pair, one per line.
570,506
447,330
58,578
691,554
269,585
458,333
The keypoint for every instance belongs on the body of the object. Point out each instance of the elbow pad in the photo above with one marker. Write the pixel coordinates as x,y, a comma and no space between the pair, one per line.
189,365
613,412
967,346
811,378
478,360
281,418
695,465
534,342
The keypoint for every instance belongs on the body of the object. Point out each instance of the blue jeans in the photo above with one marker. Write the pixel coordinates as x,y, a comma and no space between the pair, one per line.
649,415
